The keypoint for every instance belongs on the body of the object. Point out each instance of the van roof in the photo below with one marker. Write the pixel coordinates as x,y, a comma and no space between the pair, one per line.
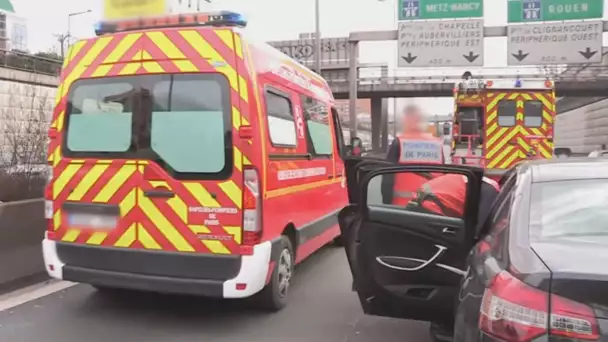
264,57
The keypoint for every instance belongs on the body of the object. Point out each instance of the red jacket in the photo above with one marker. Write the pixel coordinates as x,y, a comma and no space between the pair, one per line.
446,195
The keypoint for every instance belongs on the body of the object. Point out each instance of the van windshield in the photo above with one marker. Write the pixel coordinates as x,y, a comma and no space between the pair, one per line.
181,121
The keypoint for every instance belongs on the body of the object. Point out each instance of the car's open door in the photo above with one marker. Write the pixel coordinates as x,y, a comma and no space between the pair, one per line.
408,263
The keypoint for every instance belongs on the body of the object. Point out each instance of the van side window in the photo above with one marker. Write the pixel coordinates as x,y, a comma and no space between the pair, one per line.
281,123
316,116
507,109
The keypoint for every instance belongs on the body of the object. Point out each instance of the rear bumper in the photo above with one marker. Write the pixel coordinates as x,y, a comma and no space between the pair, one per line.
204,275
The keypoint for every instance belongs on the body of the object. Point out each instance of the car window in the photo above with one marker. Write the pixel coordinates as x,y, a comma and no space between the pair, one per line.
574,208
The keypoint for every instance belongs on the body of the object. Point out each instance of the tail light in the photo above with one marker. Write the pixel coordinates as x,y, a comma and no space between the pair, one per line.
252,213
514,311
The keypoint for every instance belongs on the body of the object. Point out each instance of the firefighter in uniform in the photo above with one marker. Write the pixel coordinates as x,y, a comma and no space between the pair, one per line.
414,145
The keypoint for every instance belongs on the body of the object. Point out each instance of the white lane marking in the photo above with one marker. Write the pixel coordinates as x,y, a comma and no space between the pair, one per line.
31,293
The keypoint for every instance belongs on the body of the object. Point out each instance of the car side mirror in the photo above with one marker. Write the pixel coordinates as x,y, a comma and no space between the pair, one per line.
356,146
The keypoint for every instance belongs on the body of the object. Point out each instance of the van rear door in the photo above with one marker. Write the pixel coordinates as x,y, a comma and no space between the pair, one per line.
95,179
180,140
192,159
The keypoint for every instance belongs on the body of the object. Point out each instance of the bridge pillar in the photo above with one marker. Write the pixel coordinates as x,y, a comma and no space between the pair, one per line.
384,125
377,113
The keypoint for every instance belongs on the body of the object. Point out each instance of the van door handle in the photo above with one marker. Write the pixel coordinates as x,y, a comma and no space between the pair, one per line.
159,193
330,176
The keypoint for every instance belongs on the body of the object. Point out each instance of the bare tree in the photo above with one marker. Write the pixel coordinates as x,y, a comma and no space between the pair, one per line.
24,121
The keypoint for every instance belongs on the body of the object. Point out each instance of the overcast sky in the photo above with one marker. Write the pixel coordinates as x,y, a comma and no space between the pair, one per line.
281,20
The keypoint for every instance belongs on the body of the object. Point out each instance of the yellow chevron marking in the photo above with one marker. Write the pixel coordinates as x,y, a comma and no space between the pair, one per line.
150,66
207,51
128,237
494,103
128,203
497,135
57,219
507,163
503,142
99,45
199,229
97,238
238,45
491,129
226,37
74,50
62,180
130,68
236,118
201,194
118,180
238,159
246,161
233,192
146,239
71,235
118,53
87,182
166,45
163,225
235,232
216,247
504,152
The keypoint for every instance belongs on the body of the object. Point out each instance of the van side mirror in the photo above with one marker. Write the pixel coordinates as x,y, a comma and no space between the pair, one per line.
356,146
446,129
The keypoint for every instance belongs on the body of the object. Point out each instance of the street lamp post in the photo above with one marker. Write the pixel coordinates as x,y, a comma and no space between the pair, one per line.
70,22
395,23
317,37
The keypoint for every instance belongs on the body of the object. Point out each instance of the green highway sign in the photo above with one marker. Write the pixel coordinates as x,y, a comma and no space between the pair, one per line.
439,9
522,11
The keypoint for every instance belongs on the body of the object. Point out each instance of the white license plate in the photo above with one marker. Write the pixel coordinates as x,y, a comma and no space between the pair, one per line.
91,221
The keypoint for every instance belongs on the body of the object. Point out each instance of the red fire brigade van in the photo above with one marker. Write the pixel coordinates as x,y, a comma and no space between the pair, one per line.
187,158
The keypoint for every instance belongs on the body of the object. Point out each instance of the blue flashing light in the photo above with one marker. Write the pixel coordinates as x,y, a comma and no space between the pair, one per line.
222,18
518,83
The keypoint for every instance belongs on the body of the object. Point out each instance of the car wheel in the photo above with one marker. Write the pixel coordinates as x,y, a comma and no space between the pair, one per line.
273,297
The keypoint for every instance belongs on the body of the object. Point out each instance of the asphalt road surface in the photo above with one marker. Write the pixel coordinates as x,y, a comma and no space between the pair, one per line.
322,308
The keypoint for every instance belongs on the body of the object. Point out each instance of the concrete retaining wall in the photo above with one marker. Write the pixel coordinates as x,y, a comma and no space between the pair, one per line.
22,228
583,129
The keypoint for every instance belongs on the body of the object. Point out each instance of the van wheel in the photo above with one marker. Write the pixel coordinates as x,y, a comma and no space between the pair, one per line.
273,297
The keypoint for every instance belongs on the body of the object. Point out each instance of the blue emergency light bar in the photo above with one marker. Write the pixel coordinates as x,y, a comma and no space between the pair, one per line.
223,18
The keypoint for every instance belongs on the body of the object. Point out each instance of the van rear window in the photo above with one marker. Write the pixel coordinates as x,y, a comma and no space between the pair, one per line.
181,121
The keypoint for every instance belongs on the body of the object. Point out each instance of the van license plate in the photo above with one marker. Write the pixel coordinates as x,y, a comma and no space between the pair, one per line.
92,221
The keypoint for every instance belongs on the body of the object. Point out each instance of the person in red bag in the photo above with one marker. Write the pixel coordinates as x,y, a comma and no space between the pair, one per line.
446,196
413,146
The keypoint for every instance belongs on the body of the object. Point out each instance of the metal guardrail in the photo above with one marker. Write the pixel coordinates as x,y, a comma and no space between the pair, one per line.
29,63
22,228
